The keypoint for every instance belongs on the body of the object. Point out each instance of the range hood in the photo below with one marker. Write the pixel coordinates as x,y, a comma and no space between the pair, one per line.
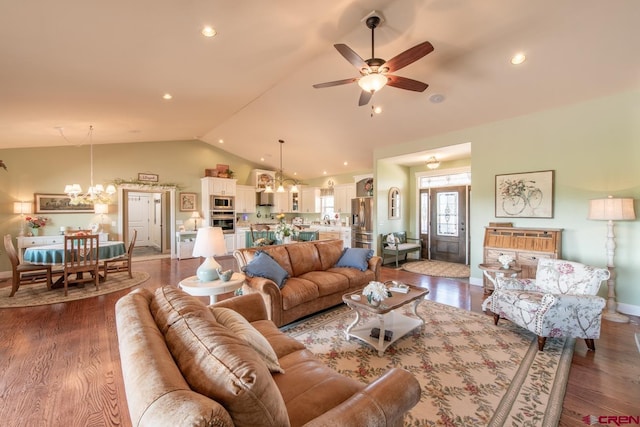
264,199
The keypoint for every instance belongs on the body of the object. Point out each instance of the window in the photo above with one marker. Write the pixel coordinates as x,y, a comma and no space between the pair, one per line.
327,202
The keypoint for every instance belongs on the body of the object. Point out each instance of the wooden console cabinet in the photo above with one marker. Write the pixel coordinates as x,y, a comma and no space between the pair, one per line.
525,245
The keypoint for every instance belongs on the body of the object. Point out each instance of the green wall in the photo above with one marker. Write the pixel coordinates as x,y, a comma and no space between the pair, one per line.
47,170
594,149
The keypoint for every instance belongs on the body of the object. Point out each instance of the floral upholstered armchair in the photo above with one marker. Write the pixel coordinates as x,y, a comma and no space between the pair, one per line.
560,302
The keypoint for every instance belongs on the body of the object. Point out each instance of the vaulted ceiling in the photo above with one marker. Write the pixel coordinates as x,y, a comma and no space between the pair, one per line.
68,64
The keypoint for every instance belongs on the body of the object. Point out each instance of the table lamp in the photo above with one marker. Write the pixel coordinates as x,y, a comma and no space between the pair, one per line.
610,209
195,216
209,243
21,208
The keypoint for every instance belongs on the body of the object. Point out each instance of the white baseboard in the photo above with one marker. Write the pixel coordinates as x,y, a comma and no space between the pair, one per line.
632,310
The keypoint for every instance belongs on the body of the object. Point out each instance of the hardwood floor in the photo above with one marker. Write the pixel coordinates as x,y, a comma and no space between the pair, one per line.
60,366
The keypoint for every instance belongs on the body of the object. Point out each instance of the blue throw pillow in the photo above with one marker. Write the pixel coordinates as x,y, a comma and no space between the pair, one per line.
355,258
263,265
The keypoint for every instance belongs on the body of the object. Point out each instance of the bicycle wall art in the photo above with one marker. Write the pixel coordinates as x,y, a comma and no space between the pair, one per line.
525,195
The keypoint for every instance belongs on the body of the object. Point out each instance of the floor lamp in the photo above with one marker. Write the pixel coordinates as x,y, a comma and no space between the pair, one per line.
612,209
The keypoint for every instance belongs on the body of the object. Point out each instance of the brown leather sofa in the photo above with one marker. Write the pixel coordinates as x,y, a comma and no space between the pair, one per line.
183,367
314,282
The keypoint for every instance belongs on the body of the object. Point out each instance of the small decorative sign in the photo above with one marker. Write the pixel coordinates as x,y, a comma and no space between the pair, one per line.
148,177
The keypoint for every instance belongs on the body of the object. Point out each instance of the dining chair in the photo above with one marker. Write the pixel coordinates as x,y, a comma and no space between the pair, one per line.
123,262
257,231
24,273
81,256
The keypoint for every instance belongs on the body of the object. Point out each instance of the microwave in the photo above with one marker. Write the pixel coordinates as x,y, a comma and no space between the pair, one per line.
222,203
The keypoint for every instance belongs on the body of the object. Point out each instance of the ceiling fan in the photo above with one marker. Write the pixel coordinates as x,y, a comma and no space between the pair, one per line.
375,71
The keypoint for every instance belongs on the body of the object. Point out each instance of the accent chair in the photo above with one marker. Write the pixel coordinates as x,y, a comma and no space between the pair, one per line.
560,302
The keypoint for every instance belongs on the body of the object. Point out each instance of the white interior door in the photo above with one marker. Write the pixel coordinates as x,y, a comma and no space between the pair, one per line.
139,215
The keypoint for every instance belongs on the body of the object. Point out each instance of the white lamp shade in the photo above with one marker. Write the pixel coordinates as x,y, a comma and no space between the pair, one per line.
209,242
618,209
195,215
21,207
101,208
373,82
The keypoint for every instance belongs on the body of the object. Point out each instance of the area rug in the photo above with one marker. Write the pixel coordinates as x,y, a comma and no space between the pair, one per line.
37,293
472,373
438,268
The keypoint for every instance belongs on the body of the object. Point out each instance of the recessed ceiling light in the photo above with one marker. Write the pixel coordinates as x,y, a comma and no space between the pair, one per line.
436,98
346,163
262,159
221,141
167,96
518,58
208,31
324,172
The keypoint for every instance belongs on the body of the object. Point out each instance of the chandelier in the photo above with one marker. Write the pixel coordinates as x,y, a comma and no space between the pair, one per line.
97,194
280,179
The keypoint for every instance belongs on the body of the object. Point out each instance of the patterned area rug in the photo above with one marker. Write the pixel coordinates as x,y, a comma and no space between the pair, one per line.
472,373
438,268
37,293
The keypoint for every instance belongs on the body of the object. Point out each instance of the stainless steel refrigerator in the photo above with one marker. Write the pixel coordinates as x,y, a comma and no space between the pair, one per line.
362,222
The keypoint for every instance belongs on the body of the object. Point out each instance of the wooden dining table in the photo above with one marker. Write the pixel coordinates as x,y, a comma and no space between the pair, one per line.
54,255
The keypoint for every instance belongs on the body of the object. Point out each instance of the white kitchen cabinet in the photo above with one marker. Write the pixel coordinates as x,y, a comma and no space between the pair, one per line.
185,240
230,242
245,199
294,201
342,195
280,202
219,186
310,200
241,238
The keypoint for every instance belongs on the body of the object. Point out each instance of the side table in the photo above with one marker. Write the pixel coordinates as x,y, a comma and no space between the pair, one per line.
491,271
193,286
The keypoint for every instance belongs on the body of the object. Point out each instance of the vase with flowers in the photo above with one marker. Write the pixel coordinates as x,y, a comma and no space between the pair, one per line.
35,223
505,261
285,232
376,292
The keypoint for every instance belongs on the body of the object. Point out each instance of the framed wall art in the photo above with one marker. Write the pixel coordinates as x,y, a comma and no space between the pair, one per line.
58,203
525,195
188,202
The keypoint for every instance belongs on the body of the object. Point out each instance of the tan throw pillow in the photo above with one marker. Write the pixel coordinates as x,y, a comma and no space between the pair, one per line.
243,330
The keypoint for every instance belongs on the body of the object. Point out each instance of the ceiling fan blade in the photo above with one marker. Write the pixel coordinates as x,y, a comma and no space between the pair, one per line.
351,56
365,97
405,83
409,56
336,83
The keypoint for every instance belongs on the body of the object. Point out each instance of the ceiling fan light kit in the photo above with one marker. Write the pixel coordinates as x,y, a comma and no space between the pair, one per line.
374,71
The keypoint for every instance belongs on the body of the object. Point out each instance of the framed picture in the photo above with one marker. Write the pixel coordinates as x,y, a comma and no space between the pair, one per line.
525,195
58,203
188,202
148,177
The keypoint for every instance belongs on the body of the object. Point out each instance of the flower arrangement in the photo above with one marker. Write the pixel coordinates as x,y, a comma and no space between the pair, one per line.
505,260
283,229
36,221
376,291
